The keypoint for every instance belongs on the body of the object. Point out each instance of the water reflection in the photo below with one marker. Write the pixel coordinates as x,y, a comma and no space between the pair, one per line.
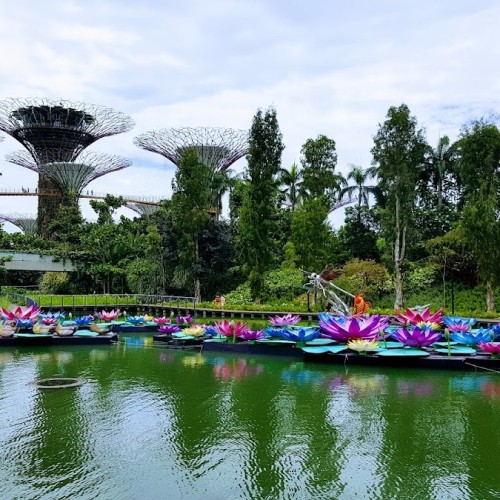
223,426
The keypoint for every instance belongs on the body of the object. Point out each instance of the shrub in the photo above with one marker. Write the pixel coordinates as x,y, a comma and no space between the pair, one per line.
57,283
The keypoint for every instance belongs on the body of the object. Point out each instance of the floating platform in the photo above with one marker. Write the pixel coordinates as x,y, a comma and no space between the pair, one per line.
339,354
24,339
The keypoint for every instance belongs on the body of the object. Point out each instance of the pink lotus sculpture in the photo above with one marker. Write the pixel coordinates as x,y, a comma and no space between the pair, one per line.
411,317
286,320
344,329
416,337
161,321
492,347
230,329
18,312
108,315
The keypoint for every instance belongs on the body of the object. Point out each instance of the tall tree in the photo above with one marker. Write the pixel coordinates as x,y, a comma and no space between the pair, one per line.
479,170
319,159
106,208
256,223
398,153
190,204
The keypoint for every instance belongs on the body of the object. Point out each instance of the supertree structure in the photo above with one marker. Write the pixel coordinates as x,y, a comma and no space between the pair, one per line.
143,209
25,222
217,148
70,178
57,132
54,131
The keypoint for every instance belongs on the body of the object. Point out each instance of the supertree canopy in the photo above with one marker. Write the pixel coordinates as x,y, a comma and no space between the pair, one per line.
217,148
25,222
54,131
142,208
71,178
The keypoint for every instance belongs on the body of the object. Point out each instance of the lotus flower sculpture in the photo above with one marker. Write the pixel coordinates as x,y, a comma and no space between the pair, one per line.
26,323
348,328
108,315
286,320
458,324
169,329
299,335
184,320
210,330
230,329
363,346
496,331
161,320
471,338
84,320
492,347
411,317
252,335
416,337
135,320
18,312
194,331
100,329
51,318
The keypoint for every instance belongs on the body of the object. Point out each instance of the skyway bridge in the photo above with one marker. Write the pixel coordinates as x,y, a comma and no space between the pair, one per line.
86,193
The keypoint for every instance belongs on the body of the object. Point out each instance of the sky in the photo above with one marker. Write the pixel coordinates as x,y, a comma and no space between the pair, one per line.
328,67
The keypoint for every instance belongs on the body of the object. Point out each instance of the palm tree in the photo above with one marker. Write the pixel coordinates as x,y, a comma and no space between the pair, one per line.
438,164
221,182
291,181
360,176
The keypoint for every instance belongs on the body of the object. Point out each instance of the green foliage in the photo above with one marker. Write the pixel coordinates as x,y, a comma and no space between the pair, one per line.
105,209
283,284
421,278
52,282
143,276
311,235
319,159
366,277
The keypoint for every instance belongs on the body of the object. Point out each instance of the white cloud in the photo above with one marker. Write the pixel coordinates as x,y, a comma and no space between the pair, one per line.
328,67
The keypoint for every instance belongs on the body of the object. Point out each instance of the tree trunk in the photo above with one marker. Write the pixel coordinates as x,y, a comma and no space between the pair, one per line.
490,297
398,256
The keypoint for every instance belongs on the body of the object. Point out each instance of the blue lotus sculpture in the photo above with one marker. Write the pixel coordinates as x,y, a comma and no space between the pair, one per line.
299,335
84,320
472,338
135,320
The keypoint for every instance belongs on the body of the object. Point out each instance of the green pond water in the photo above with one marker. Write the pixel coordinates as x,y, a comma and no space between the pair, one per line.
154,423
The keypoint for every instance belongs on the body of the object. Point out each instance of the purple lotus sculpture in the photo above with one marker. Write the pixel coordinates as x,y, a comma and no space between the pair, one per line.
352,327
169,329
472,338
18,312
84,320
458,324
251,335
184,320
286,320
416,337
230,329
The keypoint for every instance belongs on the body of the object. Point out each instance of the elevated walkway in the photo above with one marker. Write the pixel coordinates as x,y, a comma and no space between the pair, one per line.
23,261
